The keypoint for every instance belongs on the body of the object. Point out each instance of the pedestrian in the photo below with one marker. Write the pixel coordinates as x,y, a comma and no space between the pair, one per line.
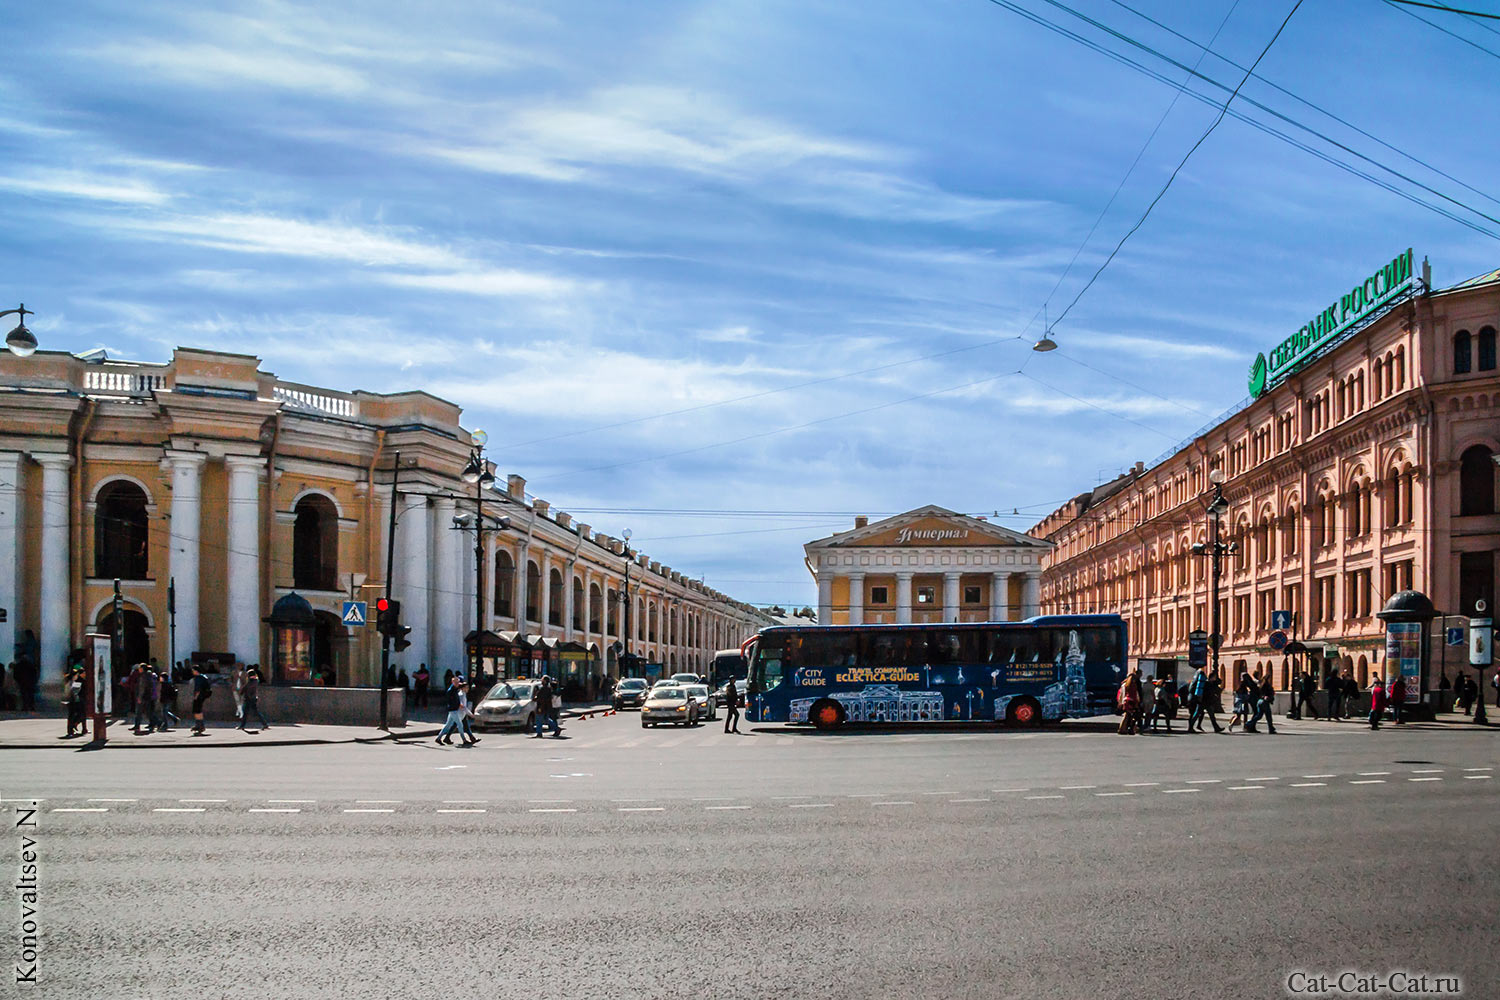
731,707
544,708
238,679
73,698
1307,687
1165,707
455,721
168,702
468,712
1264,695
1377,702
1494,683
250,699
447,679
421,679
1241,715
136,687
1334,686
1398,698
404,682
1129,697
1463,693
1204,692
202,688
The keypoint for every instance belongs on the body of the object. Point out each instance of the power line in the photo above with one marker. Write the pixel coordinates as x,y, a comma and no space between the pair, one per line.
1439,27
1450,10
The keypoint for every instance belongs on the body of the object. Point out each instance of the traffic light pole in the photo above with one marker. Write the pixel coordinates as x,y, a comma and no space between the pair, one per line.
390,554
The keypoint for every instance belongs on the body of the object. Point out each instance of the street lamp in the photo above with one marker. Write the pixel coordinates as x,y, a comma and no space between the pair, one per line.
1215,550
477,473
625,637
20,341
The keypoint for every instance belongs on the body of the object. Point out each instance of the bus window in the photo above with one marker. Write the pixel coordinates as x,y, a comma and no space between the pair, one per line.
943,648
768,662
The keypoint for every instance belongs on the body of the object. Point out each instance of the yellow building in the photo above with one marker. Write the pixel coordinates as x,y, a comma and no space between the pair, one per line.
927,565
238,488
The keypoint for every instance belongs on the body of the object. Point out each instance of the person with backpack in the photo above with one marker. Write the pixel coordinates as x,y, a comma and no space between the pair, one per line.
1204,692
1263,698
202,688
250,696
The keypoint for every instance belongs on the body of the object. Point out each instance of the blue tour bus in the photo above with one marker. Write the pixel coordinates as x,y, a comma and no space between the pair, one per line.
1049,667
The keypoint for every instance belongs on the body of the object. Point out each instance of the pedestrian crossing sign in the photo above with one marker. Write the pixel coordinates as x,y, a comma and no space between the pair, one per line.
354,612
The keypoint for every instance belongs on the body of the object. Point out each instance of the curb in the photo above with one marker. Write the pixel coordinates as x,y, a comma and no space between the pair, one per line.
412,734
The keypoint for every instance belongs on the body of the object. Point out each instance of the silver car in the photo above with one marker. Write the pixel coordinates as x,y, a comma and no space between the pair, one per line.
507,704
669,704
705,699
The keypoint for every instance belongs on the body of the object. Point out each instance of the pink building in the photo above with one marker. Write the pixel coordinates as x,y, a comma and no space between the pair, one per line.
1365,465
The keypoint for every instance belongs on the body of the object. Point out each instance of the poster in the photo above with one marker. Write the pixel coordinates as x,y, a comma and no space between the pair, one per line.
1403,651
99,661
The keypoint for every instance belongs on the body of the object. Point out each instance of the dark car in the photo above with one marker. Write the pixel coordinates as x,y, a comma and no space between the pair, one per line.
721,695
630,693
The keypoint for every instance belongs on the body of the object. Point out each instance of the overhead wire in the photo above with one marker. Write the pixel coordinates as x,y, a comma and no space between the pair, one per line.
1439,27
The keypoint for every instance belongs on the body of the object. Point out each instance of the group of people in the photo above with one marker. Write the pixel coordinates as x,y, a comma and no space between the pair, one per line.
20,693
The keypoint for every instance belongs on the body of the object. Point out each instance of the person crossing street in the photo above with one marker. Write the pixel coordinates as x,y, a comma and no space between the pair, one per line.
544,711
731,707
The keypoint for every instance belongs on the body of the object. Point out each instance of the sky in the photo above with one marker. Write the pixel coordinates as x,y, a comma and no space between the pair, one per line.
776,257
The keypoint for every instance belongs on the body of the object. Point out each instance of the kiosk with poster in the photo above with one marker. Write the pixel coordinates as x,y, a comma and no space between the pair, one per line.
99,691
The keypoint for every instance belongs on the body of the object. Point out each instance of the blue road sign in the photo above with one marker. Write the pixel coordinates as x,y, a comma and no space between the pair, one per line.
1455,637
354,612
1278,640
1281,620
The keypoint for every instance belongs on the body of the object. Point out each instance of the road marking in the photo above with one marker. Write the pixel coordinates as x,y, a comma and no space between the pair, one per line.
951,791
369,810
202,800
894,802
1428,770
1075,788
1477,777
713,798
261,809
1141,784
378,802
466,802
1247,788
1309,784
869,795
552,810
545,802
640,809
779,798
451,767
1262,779
1108,795
1372,781
713,808
294,801
612,800
1424,779
1370,774
1320,776
1486,768
179,809
137,800
462,810
1033,798
1010,789
1179,791
810,805
970,800
1206,781
95,809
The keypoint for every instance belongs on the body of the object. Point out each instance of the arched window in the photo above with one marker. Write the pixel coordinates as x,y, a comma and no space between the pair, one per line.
1393,498
1476,476
554,598
1265,538
505,584
533,592
315,544
1462,353
580,612
1290,529
651,624
120,532
596,608
1487,349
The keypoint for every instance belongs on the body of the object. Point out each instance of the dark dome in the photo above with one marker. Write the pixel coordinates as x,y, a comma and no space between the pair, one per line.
292,609
1408,606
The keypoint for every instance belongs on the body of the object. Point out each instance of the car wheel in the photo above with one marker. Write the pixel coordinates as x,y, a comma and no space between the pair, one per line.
531,721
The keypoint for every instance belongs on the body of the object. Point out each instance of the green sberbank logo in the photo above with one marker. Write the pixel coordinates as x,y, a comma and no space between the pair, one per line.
1379,289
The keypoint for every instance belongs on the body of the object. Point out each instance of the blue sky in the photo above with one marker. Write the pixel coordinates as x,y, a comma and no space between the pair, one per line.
572,218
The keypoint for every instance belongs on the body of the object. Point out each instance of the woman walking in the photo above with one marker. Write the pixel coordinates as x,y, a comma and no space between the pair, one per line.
1377,702
1244,698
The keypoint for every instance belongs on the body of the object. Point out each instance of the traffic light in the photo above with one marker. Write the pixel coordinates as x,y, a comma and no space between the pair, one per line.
388,623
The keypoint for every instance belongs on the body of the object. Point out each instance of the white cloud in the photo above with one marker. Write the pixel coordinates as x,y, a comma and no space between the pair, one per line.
502,282
1149,347
85,186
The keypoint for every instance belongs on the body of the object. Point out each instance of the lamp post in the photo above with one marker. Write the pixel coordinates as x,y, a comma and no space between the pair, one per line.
1215,550
1481,655
478,474
625,596
21,342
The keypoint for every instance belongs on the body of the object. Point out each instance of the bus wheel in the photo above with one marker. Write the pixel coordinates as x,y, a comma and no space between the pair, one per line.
826,714
1023,712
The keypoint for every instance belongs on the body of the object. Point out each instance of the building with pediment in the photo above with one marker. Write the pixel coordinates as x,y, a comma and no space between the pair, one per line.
926,565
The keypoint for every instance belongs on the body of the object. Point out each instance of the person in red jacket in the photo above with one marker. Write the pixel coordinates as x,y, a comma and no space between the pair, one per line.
1377,702
1398,698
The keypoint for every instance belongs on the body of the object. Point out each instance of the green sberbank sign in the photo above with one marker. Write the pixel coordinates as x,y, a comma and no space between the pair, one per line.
1354,305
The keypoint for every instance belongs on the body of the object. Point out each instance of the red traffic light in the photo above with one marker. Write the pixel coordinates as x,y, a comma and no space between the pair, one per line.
383,604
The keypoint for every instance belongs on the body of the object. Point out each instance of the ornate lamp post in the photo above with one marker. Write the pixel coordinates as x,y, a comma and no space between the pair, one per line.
21,342
1215,550
478,474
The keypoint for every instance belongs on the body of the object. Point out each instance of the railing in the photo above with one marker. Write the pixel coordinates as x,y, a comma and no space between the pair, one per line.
1185,442
316,400
124,381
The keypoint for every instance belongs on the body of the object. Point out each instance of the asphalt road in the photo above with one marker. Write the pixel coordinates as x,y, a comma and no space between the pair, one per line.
676,863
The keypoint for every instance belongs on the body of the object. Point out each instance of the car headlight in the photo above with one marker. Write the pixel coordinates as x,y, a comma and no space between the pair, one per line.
682,708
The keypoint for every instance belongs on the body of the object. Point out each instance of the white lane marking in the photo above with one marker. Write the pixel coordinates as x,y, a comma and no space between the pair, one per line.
894,802
1320,776
1371,774
1206,781
1247,788
258,809
112,800
1010,789
462,810
1141,784
545,802
970,800
1033,798
1485,768
713,798
179,809
466,802
378,802
1477,777
869,795
1110,795
714,808
1371,781
369,810
779,798
1075,788
810,805
1424,779
1428,770
202,800
1262,779
451,767
95,809
952,791
1309,784
552,810
1179,791
640,809
294,801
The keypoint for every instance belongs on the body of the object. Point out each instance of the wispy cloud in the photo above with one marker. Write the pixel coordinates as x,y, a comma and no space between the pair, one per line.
84,186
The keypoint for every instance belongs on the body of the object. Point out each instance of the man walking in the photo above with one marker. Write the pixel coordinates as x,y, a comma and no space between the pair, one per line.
544,710
1264,695
201,690
466,711
168,702
145,700
455,721
1204,693
1306,686
73,696
731,707
1334,685
250,696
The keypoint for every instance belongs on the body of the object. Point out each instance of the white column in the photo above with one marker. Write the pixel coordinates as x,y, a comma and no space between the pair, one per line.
950,596
903,597
856,598
825,597
1000,597
544,599
492,546
186,527
411,582
1031,595
522,584
447,592
10,521
569,604
243,558
55,630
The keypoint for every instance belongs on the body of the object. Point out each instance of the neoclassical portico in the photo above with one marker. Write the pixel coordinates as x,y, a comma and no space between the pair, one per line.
927,565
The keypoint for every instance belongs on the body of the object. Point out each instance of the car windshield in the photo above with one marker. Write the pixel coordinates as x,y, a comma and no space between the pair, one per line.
507,692
669,694
632,684
686,678
697,691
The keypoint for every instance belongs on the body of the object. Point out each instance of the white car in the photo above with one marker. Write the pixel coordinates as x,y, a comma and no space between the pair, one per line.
669,704
705,699
687,679
507,704
665,682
